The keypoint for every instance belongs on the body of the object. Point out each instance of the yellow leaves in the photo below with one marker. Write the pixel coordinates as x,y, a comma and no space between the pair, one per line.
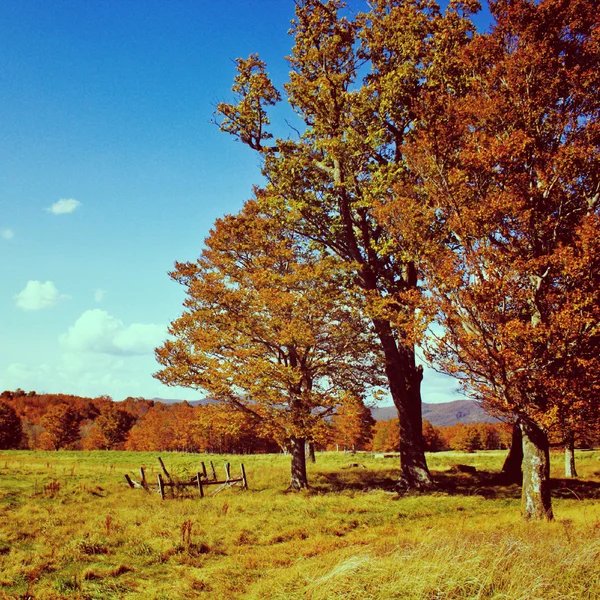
247,119
268,324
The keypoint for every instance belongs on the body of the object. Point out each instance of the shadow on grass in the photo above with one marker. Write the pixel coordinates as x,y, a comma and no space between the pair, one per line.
575,488
490,485
359,480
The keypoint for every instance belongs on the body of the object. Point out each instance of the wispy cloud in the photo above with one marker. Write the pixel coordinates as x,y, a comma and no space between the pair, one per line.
92,375
64,206
99,295
98,332
7,234
37,295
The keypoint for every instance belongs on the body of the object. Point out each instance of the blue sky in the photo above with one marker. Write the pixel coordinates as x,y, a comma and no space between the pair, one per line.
110,170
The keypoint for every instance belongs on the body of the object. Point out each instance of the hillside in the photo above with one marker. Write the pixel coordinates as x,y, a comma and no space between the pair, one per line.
201,402
442,414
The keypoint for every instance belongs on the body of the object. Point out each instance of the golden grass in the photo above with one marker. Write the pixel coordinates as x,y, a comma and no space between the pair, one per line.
349,537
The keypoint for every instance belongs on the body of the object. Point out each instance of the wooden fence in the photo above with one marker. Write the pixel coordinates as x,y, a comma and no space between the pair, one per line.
200,480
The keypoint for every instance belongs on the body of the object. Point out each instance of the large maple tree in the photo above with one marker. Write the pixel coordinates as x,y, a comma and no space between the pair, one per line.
508,158
354,82
269,328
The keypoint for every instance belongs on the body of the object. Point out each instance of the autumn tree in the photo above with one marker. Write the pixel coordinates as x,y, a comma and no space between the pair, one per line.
354,84
466,439
223,428
11,430
507,200
385,436
114,424
167,427
61,423
153,432
352,425
269,329
432,439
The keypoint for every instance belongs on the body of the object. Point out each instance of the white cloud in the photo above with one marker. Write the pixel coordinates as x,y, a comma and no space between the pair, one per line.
95,331
99,295
437,387
37,295
7,234
140,338
64,206
92,375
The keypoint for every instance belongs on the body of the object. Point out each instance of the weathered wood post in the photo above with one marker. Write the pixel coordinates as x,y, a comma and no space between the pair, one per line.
143,476
162,464
244,480
199,481
227,471
204,470
161,486
214,473
131,484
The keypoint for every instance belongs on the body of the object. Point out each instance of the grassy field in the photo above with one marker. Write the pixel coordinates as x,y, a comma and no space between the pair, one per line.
70,527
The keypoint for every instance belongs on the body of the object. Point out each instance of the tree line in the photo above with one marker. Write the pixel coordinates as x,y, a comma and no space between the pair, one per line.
460,437
59,421
438,189
470,437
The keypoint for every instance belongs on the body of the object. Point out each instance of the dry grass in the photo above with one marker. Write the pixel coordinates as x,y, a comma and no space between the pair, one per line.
349,537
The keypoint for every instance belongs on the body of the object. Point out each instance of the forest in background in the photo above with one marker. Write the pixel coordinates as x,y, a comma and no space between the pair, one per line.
55,421
62,421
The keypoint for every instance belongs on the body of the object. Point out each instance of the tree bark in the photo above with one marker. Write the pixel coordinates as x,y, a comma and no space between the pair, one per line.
298,479
405,378
535,497
570,470
512,468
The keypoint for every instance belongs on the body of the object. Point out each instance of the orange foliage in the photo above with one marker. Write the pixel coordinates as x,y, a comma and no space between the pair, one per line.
462,437
504,213
351,426
269,329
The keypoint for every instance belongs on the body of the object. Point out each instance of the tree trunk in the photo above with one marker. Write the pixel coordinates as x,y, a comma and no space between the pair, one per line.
512,467
298,450
570,470
404,378
311,452
535,497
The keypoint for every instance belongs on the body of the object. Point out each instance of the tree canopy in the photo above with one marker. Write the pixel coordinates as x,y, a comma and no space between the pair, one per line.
61,423
507,197
11,430
269,328
355,83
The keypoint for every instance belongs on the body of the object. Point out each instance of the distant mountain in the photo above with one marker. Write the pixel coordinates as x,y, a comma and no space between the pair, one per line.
191,402
442,414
